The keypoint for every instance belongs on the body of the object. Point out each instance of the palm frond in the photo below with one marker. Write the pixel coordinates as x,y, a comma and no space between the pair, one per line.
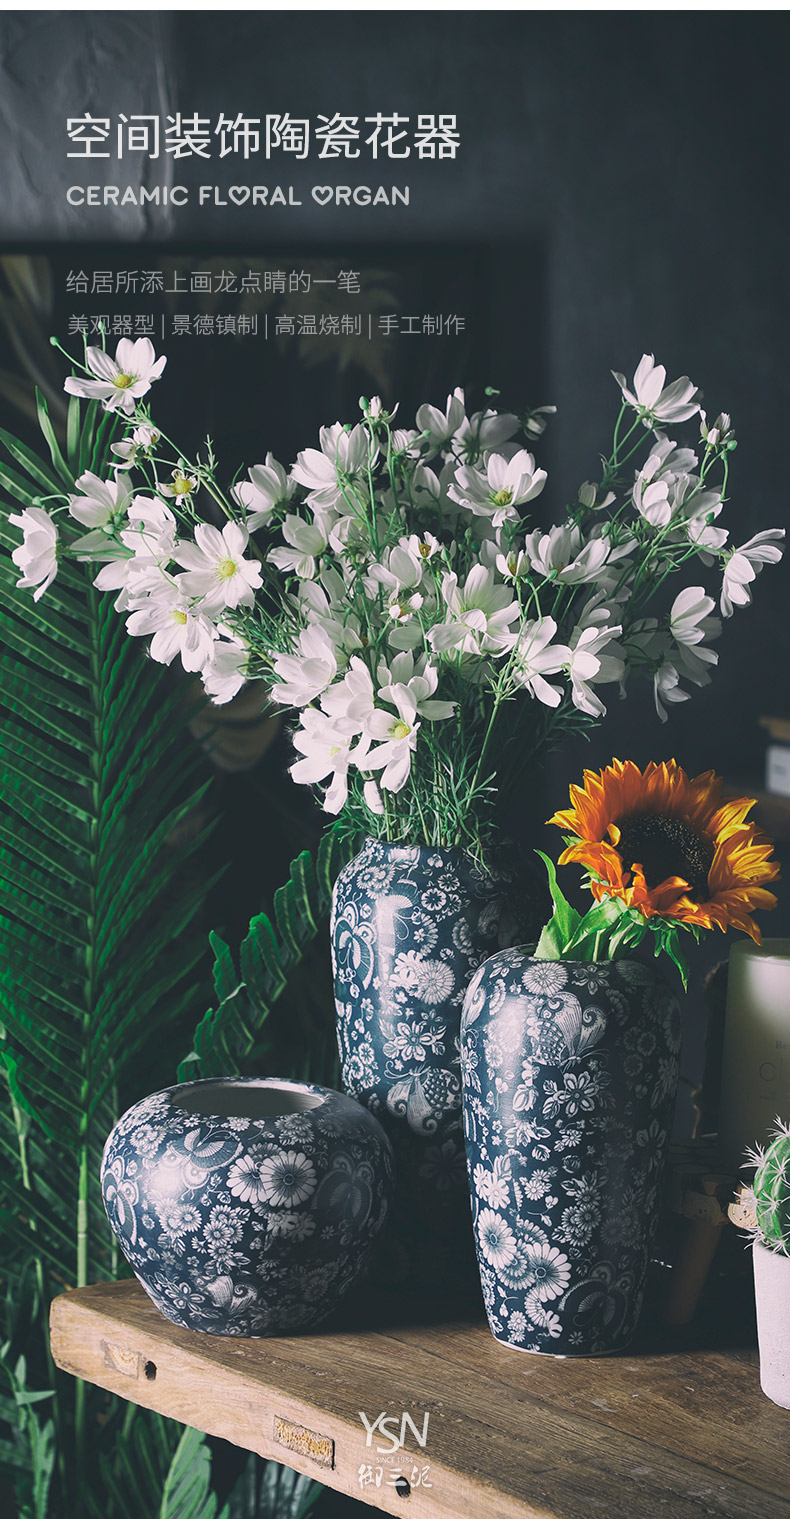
230,1033
102,811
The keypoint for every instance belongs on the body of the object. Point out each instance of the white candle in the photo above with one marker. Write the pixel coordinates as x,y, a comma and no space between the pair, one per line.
755,1083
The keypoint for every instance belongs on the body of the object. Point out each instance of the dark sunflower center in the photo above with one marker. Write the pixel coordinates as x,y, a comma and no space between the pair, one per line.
666,846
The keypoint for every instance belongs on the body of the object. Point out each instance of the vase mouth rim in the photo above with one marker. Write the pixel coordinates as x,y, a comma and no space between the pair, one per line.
395,846
777,949
255,1097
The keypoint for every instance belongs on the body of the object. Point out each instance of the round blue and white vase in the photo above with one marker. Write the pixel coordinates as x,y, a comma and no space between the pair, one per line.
410,925
570,1074
246,1207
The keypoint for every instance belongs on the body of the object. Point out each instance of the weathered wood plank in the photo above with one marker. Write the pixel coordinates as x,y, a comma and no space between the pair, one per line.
510,1436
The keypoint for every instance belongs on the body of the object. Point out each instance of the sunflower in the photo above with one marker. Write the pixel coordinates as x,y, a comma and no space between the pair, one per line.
670,846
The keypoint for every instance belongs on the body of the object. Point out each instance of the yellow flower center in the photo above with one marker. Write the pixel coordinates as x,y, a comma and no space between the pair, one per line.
226,569
666,846
180,617
123,381
424,550
182,485
400,729
503,497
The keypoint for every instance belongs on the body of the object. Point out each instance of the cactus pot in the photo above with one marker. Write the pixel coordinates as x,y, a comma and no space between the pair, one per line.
570,1074
409,928
772,1297
246,1207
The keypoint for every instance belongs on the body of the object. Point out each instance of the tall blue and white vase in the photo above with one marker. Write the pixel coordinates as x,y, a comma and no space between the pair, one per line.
410,925
570,1075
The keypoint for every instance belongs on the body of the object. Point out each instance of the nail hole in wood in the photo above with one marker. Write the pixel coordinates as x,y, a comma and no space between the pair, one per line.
402,1487
150,1371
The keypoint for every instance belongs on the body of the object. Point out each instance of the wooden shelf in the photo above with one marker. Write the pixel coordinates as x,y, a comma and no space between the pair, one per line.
661,1432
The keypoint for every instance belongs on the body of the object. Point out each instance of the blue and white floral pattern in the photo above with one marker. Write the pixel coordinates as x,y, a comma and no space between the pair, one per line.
409,928
570,1072
247,1226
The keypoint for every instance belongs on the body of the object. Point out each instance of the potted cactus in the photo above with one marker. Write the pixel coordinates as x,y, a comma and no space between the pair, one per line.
770,1229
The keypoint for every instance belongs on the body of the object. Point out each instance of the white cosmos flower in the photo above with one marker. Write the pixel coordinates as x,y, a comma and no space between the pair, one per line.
176,627
419,679
441,426
397,736
304,675
149,542
690,612
341,463
308,541
480,613
506,485
535,657
423,546
184,484
226,672
537,421
121,381
407,441
143,440
101,504
377,411
562,554
654,401
268,487
217,571
589,497
589,665
720,432
372,796
399,569
327,752
352,699
709,540
745,564
484,431
667,688
513,565
37,554
400,573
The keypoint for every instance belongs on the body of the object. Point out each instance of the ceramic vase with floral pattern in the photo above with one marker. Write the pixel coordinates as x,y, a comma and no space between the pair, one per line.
409,928
570,1074
246,1207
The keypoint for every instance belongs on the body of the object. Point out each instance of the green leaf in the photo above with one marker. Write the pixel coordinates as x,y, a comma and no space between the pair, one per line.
227,1034
39,474
553,942
48,431
187,1492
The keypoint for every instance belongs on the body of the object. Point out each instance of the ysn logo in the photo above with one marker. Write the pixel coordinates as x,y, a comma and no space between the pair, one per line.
397,1438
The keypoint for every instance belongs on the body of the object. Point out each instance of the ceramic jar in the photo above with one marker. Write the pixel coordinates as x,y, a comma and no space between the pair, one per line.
570,1075
246,1207
409,928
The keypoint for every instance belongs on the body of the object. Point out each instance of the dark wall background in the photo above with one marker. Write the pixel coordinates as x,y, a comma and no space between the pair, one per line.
629,172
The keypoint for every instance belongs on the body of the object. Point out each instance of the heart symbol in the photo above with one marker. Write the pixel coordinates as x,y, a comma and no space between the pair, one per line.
322,193
239,193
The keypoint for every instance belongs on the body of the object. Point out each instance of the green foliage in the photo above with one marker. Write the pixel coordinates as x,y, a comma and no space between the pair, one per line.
230,1036
771,1187
609,930
187,1491
270,1491
100,817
